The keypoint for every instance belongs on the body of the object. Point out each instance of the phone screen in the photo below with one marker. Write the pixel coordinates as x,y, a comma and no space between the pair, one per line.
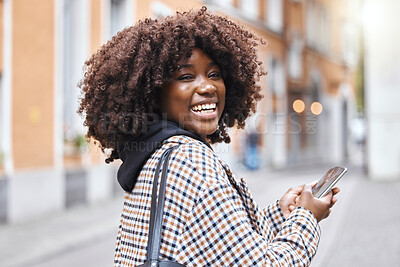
328,181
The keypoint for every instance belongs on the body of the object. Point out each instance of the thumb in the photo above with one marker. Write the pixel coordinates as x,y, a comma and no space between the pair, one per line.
307,188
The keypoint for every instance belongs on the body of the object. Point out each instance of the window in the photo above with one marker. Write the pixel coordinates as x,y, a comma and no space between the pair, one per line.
160,10
120,15
275,15
318,27
353,7
2,111
277,126
350,43
250,9
75,43
295,57
224,3
276,78
116,16
2,126
6,162
311,22
324,35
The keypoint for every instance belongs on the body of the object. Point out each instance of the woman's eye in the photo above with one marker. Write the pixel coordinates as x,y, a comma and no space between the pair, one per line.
185,77
215,75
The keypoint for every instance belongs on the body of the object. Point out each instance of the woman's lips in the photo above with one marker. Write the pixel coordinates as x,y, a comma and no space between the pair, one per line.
205,111
204,107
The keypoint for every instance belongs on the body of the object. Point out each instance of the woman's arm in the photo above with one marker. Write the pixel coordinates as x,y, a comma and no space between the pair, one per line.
223,225
219,232
274,219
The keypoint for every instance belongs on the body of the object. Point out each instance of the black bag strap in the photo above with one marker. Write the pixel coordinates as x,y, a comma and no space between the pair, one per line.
157,209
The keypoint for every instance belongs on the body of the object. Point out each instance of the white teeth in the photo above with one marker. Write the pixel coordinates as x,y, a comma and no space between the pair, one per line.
205,108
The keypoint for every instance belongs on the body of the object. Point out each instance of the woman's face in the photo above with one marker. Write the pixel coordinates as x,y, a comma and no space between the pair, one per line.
194,96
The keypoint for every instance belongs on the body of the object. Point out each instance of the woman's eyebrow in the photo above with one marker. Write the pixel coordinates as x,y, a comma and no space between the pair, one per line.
184,66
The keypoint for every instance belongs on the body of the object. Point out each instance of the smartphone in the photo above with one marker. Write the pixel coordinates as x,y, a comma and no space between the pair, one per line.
328,181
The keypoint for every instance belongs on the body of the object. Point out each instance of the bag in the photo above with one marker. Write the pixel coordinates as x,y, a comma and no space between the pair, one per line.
156,217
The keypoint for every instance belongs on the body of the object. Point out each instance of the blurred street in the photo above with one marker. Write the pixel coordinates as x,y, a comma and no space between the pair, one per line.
331,95
363,229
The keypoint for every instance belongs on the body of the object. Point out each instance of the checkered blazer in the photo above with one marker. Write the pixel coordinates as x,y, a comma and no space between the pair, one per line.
210,217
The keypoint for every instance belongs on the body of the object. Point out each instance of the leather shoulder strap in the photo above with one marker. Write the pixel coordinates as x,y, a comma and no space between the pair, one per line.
157,208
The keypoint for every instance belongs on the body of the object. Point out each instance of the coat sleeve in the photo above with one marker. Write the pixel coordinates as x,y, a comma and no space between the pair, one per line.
274,218
223,226
218,232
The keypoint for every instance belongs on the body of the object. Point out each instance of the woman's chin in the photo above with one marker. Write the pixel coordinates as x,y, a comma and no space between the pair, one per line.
206,130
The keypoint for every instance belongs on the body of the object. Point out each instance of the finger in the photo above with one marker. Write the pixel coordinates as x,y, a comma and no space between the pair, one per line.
296,189
328,197
291,208
307,188
335,190
333,201
314,183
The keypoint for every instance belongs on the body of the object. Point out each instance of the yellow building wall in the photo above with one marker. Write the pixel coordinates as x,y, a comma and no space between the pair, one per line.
95,26
294,14
32,83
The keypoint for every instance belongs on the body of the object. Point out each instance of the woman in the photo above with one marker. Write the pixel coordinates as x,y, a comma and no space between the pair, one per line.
182,82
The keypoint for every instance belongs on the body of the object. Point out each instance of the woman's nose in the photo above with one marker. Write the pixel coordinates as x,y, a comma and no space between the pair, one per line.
206,88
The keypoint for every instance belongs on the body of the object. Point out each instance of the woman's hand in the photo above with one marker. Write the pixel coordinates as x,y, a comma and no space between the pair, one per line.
288,200
319,207
301,196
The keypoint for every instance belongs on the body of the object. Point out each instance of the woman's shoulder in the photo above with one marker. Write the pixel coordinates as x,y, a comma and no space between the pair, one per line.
197,159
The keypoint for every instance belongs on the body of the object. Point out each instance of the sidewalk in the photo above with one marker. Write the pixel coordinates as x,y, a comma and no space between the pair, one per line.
363,229
48,237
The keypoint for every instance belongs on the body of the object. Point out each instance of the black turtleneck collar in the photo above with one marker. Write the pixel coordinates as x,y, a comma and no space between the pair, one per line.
135,153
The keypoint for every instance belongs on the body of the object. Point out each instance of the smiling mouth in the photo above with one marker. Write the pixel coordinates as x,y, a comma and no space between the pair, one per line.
204,108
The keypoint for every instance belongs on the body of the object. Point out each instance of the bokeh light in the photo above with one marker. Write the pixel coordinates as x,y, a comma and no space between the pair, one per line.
316,108
299,106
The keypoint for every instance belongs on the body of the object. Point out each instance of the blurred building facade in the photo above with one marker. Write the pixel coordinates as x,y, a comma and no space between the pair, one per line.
382,88
311,90
45,163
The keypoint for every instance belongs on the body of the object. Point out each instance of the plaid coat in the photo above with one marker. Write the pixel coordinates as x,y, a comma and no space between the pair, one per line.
210,217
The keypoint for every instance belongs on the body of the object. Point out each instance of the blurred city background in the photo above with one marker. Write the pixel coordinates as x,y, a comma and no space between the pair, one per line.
331,97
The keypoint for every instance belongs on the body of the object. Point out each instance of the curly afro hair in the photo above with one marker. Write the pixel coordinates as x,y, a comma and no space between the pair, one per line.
121,79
